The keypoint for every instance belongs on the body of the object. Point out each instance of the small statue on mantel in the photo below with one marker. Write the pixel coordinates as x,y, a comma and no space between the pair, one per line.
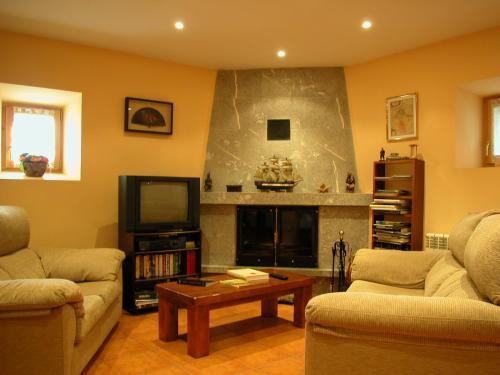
382,154
350,182
323,188
208,183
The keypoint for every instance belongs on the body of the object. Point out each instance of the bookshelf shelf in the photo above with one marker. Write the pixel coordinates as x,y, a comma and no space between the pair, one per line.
396,213
167,258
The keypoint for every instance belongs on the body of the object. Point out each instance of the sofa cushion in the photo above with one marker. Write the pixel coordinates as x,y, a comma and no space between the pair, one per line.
361,286
15,229
23,264
4,275
482,258
462,231
458,285
95,308
99,264
107,290
442,270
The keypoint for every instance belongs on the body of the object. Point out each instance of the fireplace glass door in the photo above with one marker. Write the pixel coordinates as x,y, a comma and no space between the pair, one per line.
285,236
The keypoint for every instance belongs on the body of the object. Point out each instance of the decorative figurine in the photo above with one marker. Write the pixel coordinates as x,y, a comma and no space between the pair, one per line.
382,154
350,182
208,183
323,188
340,248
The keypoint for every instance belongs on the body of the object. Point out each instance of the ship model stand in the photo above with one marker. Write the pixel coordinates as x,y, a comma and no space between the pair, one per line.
276,174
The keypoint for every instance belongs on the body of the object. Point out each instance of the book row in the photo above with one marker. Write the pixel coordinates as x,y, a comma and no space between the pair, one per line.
158,265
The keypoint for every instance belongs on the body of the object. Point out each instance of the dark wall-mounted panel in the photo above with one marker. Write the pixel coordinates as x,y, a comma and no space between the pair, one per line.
278,130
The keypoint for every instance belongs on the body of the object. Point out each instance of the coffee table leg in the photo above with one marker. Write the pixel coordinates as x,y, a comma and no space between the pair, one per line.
198,335
269,307
167,320
300,299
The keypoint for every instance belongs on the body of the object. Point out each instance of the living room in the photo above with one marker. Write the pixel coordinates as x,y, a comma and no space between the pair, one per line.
105,69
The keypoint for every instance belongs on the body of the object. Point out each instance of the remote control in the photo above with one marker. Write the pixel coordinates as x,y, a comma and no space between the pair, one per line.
278,276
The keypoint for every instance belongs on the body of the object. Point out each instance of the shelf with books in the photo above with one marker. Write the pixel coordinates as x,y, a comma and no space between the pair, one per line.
397,207
154,258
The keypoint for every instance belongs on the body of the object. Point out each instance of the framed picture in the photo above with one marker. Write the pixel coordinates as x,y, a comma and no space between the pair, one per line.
401,117
149,116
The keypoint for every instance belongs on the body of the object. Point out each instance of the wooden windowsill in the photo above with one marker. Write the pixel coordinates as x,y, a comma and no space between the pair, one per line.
46,177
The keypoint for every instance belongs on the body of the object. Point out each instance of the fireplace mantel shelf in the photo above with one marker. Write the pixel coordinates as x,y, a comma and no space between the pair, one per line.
274,198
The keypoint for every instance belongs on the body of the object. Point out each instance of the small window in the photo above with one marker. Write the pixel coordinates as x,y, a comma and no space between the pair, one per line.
33,129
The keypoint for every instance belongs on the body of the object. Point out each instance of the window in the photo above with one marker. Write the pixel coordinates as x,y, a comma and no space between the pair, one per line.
33,129
491,107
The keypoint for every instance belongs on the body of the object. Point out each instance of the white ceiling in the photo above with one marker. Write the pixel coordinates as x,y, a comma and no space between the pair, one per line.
238,34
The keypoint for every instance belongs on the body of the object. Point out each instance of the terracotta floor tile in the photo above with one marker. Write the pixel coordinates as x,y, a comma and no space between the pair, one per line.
241,343
288,366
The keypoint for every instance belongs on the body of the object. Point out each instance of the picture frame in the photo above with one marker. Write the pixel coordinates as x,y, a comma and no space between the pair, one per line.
149,116
401,114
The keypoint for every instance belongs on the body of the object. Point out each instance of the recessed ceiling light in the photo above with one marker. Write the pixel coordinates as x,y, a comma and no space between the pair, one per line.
367,24
179,25
281,53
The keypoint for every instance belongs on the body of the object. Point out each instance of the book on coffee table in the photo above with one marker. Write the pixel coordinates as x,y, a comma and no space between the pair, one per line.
197,282
248,274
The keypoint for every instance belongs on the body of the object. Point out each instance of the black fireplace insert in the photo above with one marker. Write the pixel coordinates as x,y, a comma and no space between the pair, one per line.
279,236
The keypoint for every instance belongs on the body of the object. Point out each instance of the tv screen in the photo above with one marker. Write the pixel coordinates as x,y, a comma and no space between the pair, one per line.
163,201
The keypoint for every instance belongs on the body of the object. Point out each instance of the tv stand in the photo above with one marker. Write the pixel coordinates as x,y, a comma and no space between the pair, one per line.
156,257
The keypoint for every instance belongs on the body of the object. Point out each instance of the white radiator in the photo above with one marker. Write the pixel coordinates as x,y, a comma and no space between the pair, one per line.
436,241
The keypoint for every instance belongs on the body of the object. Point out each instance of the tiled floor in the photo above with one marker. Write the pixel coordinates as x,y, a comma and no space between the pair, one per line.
241,342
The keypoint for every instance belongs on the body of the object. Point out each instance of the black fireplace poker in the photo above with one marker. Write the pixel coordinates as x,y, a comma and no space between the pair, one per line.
339,248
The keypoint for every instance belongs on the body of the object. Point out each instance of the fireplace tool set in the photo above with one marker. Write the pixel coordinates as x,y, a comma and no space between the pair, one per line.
340,248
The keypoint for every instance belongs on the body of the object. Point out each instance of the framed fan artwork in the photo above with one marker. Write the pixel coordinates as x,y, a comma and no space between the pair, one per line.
149,116
401,117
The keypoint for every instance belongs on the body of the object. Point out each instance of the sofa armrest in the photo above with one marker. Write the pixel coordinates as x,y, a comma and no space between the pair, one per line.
100,264
406,269
407,316
39,294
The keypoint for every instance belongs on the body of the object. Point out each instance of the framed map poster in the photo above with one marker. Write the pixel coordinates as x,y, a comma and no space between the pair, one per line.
401,117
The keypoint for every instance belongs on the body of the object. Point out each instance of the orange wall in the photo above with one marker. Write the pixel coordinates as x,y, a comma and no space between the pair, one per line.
434,72
84,213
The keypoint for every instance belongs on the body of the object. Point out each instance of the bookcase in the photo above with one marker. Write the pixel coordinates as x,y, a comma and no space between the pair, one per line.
153,258
397,210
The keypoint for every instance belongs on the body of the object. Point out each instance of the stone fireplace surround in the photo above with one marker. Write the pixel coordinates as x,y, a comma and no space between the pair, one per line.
344,211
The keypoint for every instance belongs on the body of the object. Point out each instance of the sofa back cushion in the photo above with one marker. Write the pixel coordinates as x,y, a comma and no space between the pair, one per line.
462,231
14,229
482,257
442,270
459,285
23,264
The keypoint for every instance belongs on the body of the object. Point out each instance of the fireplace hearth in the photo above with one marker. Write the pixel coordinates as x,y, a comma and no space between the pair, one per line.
279,236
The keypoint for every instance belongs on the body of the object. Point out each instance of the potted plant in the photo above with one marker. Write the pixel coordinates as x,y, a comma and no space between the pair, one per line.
33,165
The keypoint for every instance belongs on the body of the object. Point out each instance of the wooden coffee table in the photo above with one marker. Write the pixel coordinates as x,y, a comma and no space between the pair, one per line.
200,300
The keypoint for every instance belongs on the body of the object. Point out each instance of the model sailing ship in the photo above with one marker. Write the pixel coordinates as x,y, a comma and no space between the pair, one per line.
276,174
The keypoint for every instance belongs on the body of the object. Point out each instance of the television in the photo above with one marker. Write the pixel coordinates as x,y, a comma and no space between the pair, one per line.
156,204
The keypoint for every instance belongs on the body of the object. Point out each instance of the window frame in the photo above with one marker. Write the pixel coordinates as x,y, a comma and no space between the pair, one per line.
8,164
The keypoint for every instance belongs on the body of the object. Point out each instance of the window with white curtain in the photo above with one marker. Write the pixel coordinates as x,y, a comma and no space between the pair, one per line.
32,129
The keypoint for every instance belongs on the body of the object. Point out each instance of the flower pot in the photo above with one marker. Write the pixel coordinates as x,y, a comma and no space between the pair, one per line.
34,168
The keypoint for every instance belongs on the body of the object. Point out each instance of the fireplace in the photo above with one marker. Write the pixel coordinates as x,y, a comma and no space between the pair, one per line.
277,236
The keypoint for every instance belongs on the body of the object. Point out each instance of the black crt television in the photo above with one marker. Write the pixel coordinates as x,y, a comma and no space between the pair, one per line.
156,204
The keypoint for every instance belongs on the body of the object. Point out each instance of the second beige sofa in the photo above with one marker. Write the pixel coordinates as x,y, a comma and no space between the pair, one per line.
425,312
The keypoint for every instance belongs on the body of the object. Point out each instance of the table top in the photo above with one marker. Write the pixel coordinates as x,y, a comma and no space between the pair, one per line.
220,293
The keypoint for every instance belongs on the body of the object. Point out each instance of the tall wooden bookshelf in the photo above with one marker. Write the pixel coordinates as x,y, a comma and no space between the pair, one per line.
397,211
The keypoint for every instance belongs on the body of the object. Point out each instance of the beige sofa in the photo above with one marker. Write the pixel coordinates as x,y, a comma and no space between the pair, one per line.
425,312
56,305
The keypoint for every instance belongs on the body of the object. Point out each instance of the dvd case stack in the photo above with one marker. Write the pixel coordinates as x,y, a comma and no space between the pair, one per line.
392,234
399,206
145,298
